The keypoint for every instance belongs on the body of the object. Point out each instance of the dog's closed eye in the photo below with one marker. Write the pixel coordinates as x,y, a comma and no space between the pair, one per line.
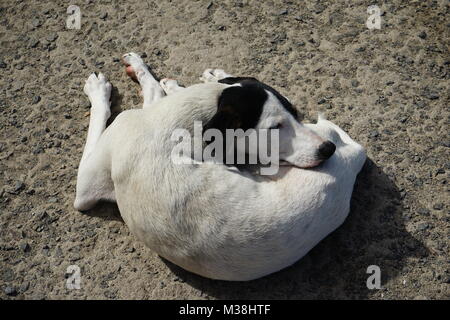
277,126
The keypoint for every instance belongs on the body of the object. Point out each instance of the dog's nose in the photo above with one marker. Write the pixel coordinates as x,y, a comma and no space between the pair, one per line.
326,150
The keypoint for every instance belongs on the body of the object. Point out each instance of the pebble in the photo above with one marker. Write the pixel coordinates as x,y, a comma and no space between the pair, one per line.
432,95
19,186
422,35
10,291
7,275
282,12
438,206
36,99
24,287
36,22
52,200
52,37
25,247
103,15
355,83
2,64
423,226
423,211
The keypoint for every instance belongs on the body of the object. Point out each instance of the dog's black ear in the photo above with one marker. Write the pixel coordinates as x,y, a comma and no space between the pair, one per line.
233,80
239,107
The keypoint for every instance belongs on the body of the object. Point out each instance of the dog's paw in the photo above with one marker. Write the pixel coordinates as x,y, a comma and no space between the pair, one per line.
214,75
169,85
135,66
97,87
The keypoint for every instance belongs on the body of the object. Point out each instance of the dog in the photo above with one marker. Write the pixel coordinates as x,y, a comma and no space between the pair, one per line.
205,217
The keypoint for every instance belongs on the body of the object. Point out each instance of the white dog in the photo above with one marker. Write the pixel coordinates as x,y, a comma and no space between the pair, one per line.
209,218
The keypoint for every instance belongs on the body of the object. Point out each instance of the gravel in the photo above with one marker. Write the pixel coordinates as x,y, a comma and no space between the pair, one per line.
388,88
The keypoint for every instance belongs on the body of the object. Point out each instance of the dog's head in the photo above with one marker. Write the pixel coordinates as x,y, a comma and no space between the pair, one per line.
250,104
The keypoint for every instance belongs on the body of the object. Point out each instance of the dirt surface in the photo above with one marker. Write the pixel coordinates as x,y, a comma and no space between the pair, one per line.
388,88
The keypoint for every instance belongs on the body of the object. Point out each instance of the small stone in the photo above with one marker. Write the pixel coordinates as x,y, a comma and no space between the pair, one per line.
36,99
321,101
423,226
221,28
438,206
19,186
374,134
103,15
209,5
36,22
423,211
2,64
52,37
420,104
24,287
25,247
282,12
355,83
430,94
10,291
42,215
422,35
319,8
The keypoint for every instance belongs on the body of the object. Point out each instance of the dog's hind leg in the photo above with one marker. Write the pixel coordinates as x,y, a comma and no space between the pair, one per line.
94,179
137,70
214,75
170,85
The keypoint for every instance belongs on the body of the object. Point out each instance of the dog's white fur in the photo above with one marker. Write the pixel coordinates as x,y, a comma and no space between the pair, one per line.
207,218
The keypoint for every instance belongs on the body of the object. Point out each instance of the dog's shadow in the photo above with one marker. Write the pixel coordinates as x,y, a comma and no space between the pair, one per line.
373,234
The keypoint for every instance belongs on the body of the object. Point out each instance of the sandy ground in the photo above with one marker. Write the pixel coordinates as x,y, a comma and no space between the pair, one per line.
388,88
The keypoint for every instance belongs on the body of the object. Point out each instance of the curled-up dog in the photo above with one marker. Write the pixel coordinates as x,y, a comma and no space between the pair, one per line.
207,217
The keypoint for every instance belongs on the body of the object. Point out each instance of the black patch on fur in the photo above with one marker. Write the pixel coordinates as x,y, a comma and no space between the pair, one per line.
238,108
249,80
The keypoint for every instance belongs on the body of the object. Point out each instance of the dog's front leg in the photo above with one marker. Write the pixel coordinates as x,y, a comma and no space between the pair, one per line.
98,89
94,179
